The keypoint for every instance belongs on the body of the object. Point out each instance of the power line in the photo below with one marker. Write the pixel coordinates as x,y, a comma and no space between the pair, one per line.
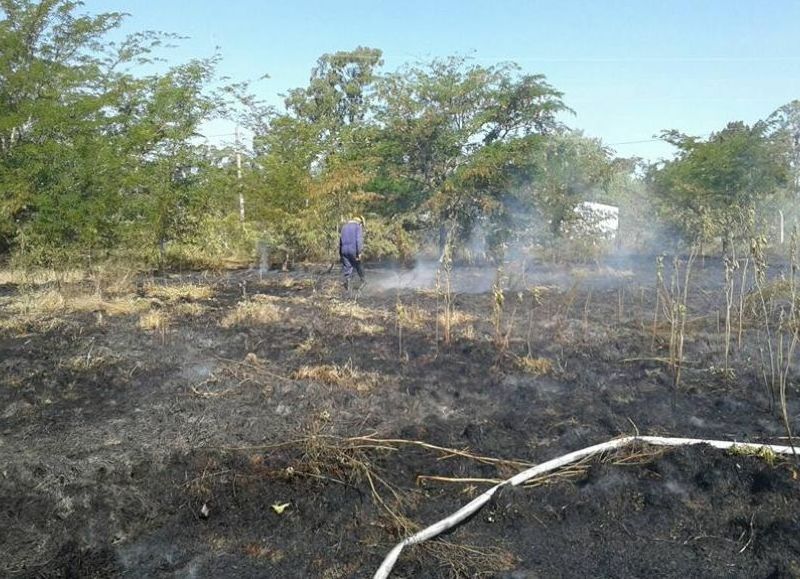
634,142
654,140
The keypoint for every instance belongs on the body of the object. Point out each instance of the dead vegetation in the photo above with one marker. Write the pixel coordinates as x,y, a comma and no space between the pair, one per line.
37,277
40,310
252,312
535,366
317,454
190,310
94,359
154,321
542,331
186,292
352,310
411,317
343,376
458,318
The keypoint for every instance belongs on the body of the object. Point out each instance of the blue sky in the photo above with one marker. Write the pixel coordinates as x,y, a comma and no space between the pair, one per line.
628,68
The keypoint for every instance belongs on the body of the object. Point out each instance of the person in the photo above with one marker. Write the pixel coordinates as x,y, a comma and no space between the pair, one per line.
351,244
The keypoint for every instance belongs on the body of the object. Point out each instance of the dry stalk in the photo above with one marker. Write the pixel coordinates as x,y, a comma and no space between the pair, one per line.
674,300
401,316
790,325
422,478
568,473
741,302
444,291
586,314
757,247
730,267
659,285
536,299
498,303
683,313
338,459
448,452
468,560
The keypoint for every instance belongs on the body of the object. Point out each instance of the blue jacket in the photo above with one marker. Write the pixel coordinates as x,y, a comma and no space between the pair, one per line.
351,241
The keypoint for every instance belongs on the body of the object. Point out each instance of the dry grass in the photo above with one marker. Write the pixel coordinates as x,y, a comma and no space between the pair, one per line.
186,292
37,277
109,279
458,318
343,376
468,332
21,325
353,310
412,317
776,293
93,359
255,312
338,570
189,310
261,551
635,455
292,283
38,303
40,310
113,279
49,302
370,329
119,306
308,345
281,300
154,321
470,560
535,366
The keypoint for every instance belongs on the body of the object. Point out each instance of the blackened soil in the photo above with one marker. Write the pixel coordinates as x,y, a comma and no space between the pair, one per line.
200,448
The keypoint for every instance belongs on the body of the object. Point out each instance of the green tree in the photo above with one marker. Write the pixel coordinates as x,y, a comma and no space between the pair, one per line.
713,187
571,168
311,162
452,135
784,128
50,105
93,157
339,89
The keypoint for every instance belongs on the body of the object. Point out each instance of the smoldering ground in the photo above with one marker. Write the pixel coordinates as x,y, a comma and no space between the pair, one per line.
174,419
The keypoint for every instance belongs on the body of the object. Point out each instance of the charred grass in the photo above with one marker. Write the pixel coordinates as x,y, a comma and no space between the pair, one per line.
194,424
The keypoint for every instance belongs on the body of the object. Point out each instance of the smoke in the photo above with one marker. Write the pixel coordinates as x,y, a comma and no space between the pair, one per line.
517,275
421,276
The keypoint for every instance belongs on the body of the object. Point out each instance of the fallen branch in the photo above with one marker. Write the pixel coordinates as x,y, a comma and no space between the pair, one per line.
449,479
449,451
476,504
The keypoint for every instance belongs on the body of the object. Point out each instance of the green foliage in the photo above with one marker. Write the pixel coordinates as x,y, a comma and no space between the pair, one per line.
714,188
97,161
93,158
337,93
571,168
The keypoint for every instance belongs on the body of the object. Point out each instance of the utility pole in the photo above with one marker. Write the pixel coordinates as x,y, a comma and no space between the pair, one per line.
239,176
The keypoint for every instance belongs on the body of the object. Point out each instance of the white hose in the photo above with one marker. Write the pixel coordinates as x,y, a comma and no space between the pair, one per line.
475,505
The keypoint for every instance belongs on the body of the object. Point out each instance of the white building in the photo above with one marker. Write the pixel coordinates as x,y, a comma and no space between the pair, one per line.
597,219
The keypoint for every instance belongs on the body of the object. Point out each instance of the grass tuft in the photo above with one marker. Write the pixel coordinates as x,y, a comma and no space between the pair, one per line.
249,313
535,366
154,321
345,376
185,292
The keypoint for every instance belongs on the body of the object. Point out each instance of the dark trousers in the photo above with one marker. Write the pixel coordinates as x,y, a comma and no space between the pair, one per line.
349,263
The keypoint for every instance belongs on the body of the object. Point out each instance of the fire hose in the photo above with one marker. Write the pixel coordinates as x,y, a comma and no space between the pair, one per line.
476,504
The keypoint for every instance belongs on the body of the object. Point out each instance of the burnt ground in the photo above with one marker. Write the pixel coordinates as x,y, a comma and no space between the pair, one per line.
161,433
